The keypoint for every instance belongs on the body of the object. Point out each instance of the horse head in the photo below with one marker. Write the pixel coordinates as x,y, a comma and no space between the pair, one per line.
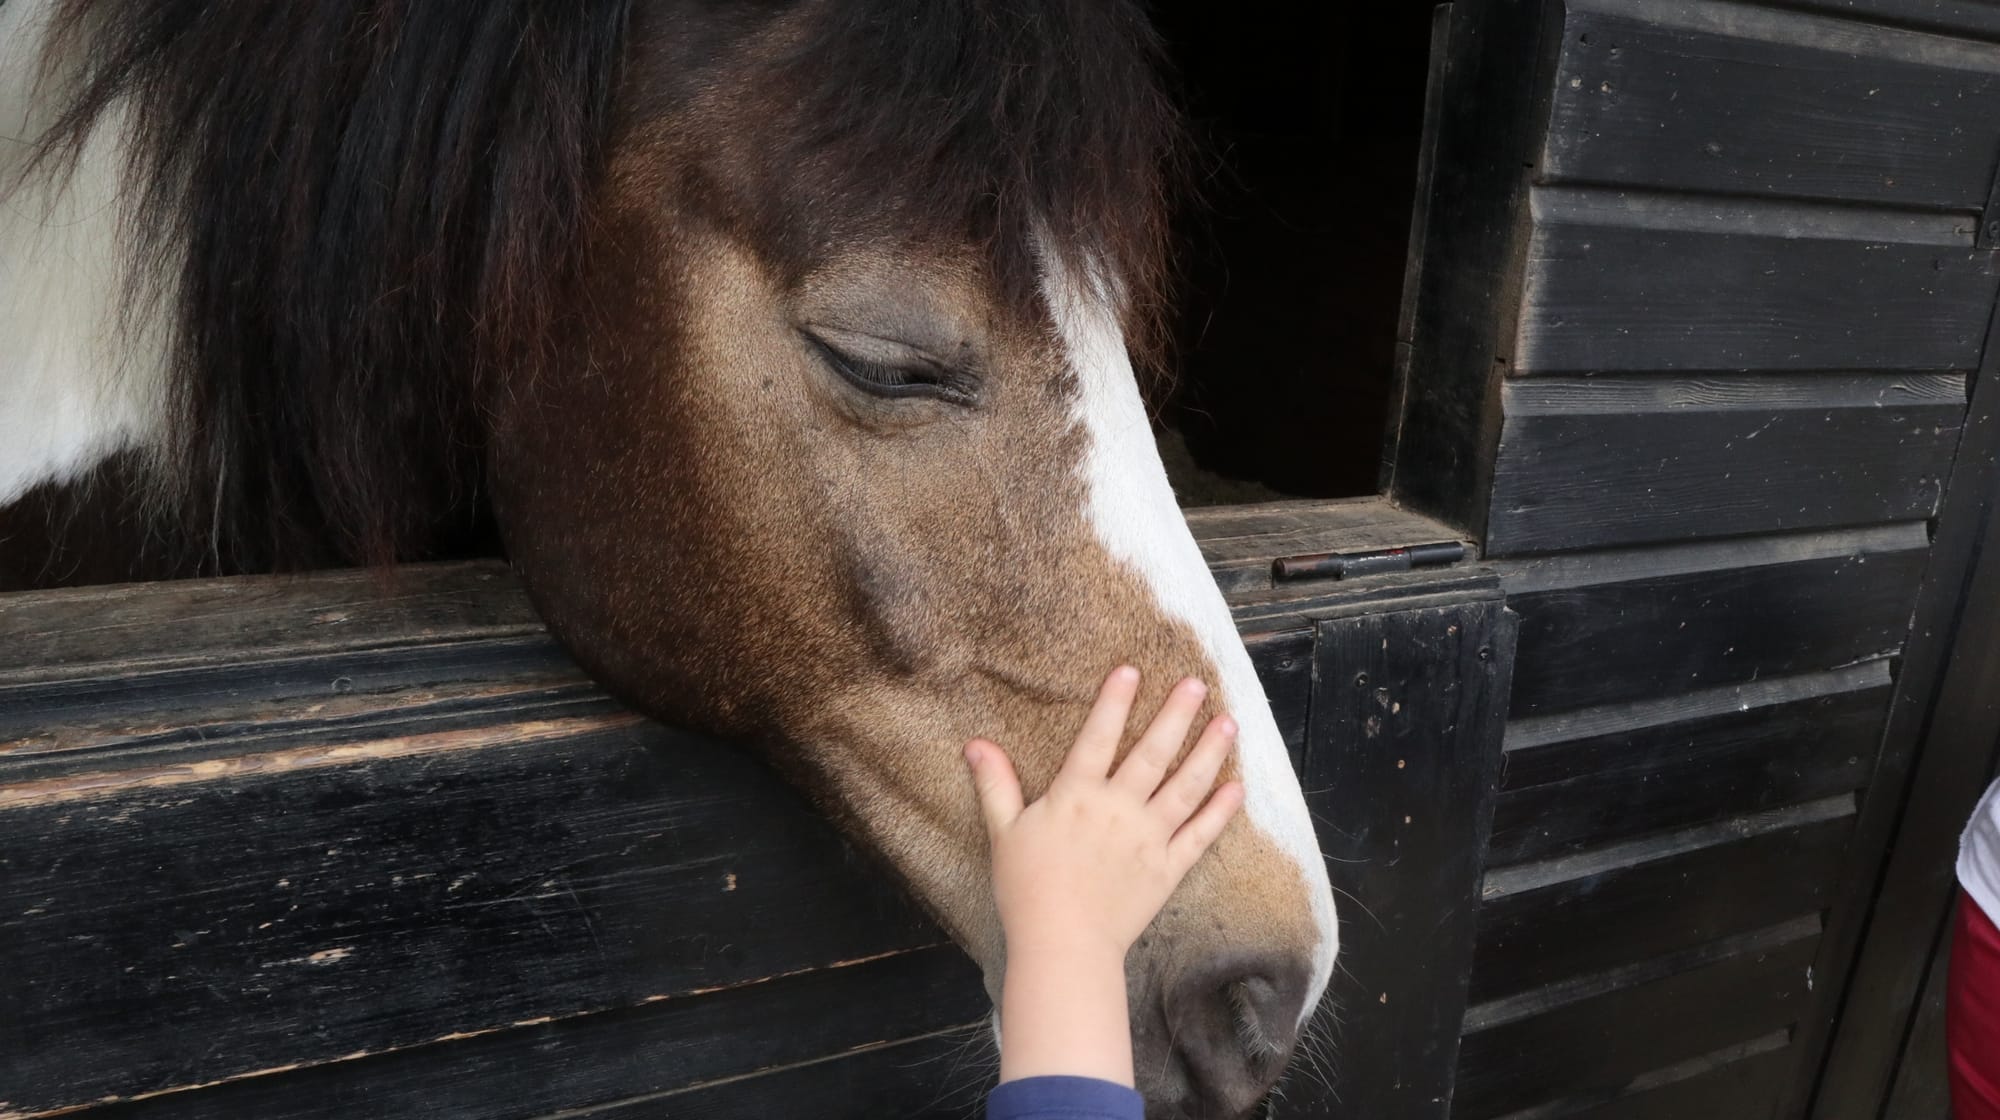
793,345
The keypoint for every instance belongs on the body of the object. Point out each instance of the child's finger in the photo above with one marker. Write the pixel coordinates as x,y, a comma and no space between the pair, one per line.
999,789
1201,829
1097,744
1156,750
1183,792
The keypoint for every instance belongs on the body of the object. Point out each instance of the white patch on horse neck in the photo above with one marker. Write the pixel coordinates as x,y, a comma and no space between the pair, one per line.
76,384
1137,519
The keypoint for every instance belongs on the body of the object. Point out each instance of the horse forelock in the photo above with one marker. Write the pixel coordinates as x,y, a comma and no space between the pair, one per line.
1039,127
364,216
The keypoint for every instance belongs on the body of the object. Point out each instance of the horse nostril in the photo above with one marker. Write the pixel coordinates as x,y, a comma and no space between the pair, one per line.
1234,1024
1253,1000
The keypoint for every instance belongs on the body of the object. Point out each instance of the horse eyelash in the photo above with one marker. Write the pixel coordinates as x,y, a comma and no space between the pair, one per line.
885,380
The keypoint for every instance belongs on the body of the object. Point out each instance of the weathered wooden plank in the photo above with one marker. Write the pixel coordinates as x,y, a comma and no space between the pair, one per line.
1599,1045
1922,1082
122,629
1603,628
109,631
1629,282
657,1049
1526,736
1577,989
1593,462
1972,19
926,1077
1409,707
1729,98
455,835
1540,923
1739,1082
1945,736
1562,796
1216,525
1488,111
400,891
252,703
217,711
1302,605
1939,700
1240,542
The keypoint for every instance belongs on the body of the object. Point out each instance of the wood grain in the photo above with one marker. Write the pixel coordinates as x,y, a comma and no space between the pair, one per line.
1628,282
1733,99
123,629
1587,464
670,1050
1598,1046
1655,635
1240,542
1563,796
1408,714
1655,896
394,897
1738,1082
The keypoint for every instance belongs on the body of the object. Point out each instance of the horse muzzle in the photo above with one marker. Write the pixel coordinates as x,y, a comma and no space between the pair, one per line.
1221,1035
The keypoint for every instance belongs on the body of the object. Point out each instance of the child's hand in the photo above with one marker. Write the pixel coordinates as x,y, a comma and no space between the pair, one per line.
1079,874
1088,865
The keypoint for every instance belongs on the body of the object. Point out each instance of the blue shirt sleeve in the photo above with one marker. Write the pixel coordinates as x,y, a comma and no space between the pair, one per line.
1064,1098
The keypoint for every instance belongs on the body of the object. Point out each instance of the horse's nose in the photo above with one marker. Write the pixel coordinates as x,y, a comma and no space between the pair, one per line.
1233,1025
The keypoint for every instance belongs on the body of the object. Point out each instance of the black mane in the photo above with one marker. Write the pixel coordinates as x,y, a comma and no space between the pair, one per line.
382,203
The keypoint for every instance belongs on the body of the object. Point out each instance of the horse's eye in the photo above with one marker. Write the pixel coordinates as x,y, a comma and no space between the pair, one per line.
908,376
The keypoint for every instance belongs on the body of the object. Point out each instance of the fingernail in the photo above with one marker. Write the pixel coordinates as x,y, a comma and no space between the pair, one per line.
1125,673
1226,725
1195,685
972,753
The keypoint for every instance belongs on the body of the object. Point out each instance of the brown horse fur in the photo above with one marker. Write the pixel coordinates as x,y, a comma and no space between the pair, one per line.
740,316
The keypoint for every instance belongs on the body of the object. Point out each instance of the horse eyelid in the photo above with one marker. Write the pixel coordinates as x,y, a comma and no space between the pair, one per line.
885,379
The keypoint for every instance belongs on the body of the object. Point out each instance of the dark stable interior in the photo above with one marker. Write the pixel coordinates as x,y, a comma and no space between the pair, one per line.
1307,119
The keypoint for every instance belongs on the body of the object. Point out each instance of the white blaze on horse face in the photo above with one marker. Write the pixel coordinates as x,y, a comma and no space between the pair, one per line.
1139,522
74,386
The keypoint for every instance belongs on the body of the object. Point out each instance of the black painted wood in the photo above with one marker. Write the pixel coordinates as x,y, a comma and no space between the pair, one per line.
1970,19
187,713
1701,96
1408,709
1239,542
1618,281
470,871
665,1054
1948,625
1599,630
1959,714
1489,110
398,891
1592,462
919,1079
106,632
1736,1083
1436,82
1542,923
1600,1044
1561,795
1922,1083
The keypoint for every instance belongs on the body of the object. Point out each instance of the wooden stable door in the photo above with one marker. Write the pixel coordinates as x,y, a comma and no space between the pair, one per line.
331,846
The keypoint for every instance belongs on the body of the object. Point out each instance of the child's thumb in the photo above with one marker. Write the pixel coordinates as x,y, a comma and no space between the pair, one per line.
993,776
